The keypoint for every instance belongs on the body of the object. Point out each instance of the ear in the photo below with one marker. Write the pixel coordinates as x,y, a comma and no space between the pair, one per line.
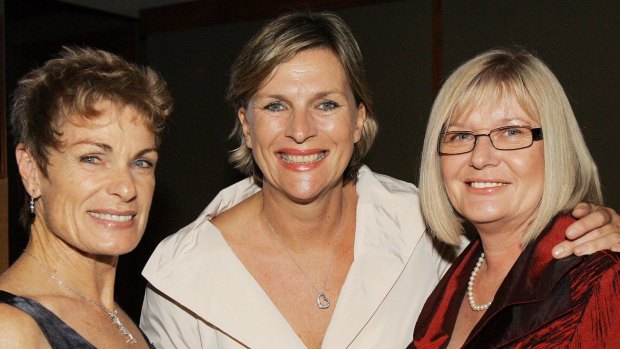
245,126
359,122
29,170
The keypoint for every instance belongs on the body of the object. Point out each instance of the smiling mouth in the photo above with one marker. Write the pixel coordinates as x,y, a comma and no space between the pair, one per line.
302,159
111,217
481,185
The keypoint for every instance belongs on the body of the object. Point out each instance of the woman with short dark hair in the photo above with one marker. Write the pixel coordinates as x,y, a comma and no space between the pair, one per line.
88,126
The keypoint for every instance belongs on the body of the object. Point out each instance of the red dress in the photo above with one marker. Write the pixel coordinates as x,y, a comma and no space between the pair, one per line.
542,303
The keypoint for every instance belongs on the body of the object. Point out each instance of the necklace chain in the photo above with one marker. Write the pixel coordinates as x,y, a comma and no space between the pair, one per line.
112,315
322,302
470,287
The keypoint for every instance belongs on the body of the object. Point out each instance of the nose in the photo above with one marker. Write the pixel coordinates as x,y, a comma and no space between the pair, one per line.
122,184
484,154
301,126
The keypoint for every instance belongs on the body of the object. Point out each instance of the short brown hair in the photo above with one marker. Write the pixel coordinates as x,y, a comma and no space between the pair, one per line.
71,84
276,43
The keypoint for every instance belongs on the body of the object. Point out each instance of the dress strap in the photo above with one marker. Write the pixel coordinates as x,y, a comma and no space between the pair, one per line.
57,332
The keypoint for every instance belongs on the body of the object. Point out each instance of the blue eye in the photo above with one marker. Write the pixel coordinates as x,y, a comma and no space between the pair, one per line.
454,137
143,163
274,107
89,159
328,106
512,132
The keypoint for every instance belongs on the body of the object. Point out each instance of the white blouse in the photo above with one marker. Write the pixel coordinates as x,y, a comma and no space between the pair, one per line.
201,295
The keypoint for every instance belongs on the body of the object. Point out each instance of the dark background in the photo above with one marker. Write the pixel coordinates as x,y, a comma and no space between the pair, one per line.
409,46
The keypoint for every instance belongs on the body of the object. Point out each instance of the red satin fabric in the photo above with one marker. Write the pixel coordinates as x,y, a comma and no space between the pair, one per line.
542,303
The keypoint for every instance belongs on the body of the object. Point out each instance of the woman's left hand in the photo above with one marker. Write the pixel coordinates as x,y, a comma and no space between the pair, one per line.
597,228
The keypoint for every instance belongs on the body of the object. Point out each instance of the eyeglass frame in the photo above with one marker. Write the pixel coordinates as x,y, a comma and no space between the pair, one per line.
537,135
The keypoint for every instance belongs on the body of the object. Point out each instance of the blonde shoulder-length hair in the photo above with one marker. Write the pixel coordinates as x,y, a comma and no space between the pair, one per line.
571,175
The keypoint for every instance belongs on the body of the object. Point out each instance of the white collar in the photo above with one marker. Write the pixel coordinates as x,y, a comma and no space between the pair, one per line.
196,267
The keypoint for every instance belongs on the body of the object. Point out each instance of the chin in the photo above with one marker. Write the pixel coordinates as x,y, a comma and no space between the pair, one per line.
482,217
117,247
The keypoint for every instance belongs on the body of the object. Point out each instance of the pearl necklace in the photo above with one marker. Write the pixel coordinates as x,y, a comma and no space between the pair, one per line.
113,314
470,288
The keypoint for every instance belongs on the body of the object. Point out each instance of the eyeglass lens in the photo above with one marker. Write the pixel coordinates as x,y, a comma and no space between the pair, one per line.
502,138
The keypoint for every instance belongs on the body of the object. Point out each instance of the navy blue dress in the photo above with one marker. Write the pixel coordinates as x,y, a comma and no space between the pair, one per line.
57,332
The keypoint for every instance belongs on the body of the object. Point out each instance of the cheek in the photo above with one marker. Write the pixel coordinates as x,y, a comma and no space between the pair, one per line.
61,195
450,167
531,168
340,130
263,130
146,187
59,210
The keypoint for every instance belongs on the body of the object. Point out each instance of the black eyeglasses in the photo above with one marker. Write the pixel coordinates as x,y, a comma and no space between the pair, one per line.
502,138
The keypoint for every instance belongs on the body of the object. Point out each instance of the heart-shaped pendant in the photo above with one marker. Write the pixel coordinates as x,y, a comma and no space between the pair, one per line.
322,302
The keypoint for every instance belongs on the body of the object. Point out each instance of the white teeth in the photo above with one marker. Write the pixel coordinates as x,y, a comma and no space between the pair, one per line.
110,217
485,184
302,159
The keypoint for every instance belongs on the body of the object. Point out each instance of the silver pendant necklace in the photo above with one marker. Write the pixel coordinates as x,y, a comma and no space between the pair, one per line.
112,315
470,287
322,302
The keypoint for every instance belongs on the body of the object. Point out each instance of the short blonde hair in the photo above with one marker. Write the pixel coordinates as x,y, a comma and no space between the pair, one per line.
278,42
571,175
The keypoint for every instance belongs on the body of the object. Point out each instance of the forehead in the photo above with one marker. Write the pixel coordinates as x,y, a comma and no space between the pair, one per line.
106,119
319,66
103,113
494,102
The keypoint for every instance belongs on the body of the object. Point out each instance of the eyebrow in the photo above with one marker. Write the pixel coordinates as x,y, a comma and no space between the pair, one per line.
327,93
278,97
502,119
145,151
108,148
320,94
103,146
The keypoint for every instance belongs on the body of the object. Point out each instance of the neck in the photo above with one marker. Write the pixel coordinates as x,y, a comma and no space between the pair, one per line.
311,224
501,250
90,275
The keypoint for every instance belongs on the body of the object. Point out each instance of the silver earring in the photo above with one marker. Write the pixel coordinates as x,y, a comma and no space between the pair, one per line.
31,205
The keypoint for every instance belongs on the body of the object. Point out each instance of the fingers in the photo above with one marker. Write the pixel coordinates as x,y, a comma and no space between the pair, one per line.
563,249
583,209
598,228
584,245
597,217
609,241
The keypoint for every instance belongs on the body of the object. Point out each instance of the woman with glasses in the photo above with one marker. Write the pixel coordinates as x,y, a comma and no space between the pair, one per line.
504,159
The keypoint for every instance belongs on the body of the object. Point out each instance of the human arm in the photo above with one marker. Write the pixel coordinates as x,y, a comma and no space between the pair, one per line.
597,228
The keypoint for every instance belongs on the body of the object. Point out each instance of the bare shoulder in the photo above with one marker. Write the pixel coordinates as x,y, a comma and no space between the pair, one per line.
19,330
